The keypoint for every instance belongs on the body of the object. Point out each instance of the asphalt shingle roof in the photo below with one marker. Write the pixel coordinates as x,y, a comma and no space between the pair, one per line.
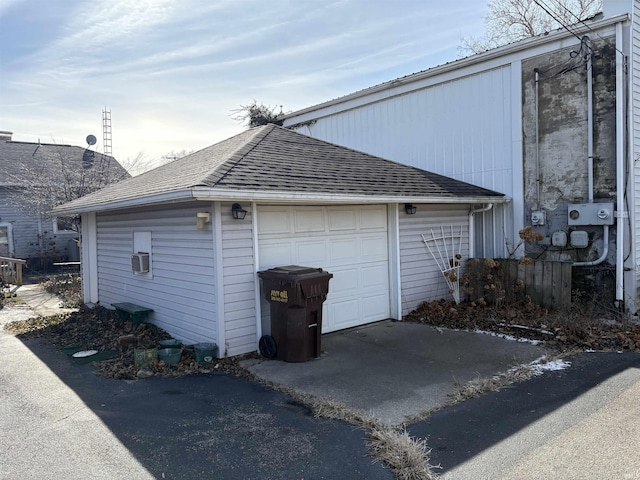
21,163
273,159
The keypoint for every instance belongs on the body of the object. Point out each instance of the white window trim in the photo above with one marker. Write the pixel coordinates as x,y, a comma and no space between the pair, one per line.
9,236
57,230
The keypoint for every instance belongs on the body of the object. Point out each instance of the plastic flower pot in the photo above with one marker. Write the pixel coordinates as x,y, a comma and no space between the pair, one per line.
205,352
170,356
145,357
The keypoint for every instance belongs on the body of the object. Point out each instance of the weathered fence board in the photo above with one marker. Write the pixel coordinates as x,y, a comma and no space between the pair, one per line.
498,280
11,270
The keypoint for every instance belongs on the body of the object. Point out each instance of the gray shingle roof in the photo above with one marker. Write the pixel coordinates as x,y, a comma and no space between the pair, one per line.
273,159
23,163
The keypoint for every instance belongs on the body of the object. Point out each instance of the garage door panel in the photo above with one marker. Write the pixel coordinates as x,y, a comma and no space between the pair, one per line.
341,219
373,218
343,314
374,276
274,220
374,307
344,282
311,253
346,249
373,247
275,254
309,220
351,244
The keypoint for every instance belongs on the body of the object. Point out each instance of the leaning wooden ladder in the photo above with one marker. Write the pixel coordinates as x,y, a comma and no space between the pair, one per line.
448,258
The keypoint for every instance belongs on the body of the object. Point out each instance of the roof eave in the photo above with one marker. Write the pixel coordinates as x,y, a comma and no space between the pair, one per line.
166,197
207,194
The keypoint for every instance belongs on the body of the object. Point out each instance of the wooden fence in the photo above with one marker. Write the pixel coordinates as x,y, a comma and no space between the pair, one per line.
547,283
11,270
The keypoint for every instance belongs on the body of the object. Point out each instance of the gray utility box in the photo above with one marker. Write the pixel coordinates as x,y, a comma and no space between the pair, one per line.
296,295
591,213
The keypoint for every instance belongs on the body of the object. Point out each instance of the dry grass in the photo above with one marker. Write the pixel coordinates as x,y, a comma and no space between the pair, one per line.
407,457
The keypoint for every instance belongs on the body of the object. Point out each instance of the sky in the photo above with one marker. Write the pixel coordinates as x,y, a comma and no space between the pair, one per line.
173,71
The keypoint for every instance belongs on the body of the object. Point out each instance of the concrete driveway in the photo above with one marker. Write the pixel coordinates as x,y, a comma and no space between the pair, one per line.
395,370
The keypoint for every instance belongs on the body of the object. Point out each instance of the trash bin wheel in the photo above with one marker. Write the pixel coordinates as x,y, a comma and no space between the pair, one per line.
267,346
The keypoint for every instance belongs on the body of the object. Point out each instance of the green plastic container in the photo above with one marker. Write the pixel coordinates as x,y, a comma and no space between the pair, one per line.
205,352
170,356
145,357
170,343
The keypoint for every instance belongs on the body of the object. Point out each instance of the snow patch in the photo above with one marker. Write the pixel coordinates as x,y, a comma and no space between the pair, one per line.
509,337
541,365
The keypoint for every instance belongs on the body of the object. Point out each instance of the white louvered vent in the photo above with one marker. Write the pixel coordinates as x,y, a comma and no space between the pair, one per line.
140,262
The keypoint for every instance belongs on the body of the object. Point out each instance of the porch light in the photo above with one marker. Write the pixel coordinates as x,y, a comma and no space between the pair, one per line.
410,208
237,211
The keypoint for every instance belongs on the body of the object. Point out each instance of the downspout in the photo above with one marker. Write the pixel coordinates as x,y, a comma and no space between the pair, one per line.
620,163
537,114
472,212
605,230
589,115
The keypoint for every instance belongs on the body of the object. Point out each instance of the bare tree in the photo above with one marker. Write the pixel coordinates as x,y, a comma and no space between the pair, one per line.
254,115
512,20
44,176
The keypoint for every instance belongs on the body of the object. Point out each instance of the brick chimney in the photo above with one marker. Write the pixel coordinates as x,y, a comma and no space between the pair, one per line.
6,136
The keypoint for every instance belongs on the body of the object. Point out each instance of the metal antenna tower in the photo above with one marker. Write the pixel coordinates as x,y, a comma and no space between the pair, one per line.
106,131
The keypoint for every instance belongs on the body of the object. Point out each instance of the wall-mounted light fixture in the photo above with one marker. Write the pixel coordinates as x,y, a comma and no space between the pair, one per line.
238,212
410,208
202,218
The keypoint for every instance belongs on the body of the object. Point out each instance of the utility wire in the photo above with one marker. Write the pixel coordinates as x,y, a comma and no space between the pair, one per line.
548,10
542,4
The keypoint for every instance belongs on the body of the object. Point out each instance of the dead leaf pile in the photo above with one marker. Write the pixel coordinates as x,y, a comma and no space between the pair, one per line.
567,330
100,329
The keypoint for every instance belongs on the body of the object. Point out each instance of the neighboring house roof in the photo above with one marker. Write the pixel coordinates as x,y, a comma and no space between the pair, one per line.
273,163
23,163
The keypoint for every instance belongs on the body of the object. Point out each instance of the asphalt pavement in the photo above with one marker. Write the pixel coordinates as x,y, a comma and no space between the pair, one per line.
579,423
59,420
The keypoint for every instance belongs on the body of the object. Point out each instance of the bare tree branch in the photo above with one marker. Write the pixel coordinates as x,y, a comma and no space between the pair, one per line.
254,115
513,20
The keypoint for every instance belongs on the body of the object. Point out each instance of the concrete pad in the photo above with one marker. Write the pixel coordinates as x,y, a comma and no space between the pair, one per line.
394,370
40,301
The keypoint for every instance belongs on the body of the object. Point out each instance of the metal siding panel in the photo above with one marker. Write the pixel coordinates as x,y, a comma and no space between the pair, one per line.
635,141
460,128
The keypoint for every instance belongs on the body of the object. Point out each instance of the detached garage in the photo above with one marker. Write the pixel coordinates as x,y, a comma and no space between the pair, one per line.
269,197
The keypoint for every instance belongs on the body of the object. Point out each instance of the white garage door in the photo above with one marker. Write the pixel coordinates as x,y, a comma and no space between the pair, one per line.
349,242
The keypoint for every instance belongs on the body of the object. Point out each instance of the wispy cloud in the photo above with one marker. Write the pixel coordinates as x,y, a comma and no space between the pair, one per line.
172,71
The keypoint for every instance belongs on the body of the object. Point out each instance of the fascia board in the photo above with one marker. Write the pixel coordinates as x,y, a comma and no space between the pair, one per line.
167,197
206,194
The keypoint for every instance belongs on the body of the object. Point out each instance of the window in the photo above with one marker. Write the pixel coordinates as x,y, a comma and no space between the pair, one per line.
4,241
65,224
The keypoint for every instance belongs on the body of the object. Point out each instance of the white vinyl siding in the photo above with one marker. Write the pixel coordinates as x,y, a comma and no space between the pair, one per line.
25,228
239,282
634,130
421,279
182,289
